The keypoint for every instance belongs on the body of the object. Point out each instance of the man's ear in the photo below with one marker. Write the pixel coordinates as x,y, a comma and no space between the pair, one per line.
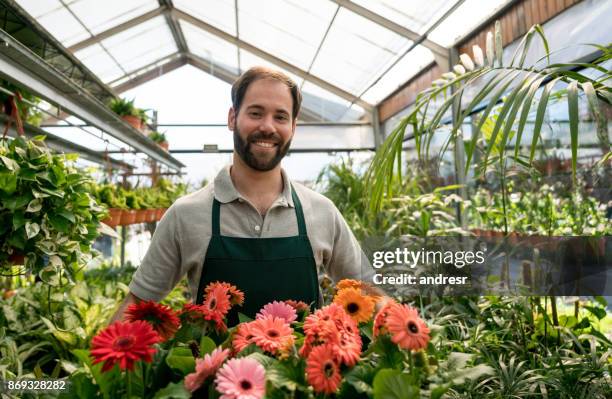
231,119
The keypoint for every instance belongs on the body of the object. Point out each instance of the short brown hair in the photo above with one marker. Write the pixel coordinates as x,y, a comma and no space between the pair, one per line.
241,85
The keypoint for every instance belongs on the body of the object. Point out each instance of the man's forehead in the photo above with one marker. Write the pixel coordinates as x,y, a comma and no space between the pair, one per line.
268,90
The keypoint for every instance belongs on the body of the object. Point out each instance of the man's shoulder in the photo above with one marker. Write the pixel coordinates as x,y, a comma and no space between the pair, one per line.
312,199
196,201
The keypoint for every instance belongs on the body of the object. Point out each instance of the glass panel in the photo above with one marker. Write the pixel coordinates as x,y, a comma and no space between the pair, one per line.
326,105
356,51
464,19
63,26
408,66
141,45
249,60
99,16
100,63
38,8
220,14
210,47
414,15
287,29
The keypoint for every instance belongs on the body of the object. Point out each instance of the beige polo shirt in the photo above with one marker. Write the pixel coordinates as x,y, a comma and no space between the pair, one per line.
179,244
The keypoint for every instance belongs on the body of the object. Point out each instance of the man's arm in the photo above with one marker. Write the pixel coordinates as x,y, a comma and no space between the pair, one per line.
119,314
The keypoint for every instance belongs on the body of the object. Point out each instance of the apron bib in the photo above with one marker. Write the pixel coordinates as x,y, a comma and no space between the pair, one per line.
265,269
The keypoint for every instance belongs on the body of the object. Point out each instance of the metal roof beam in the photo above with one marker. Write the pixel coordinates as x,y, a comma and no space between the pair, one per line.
117,29
272,59
175,27
392,26
140,77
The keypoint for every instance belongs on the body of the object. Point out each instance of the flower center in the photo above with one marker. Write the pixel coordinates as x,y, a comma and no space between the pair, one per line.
328,369
213,303
412,327
123,343
352,307
246,385
273,333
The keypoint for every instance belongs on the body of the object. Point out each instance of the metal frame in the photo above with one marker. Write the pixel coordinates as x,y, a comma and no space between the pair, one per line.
19,64
175,27
62,145
296,151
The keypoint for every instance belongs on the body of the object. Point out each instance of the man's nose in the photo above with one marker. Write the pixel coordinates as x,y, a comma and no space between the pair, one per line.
267,124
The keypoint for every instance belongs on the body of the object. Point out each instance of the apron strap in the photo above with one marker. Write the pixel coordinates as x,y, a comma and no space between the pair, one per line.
298,213
216,230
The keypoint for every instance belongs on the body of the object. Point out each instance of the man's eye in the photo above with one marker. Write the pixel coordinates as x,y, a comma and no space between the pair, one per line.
255,114
281,117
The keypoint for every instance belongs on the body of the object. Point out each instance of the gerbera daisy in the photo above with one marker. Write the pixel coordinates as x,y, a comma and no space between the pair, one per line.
205,367
242,378
358,306
348,283
124,343
278,309
236,296
217,301
407,329
163,319
299,306
322,370
242,337
191,313
348,349
271,334
380,319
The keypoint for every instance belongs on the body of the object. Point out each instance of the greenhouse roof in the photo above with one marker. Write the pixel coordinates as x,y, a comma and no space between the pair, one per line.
349,55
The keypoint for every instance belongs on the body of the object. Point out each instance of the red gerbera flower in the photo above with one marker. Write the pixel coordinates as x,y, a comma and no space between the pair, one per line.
322,370
123,344
407,329
163,319
191,313
236,297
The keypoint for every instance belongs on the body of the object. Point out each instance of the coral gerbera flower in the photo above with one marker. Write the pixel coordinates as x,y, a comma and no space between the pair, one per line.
381,319
242,378
205,367
358,306
162,318
278,309
407,329
299,306
271,334
348,349
216,303
236,296
124,343
322,370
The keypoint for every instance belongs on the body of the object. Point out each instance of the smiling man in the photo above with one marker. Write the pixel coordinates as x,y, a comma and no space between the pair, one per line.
252,227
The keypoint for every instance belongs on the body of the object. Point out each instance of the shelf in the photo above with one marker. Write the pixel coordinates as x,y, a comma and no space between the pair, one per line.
22,66
62,145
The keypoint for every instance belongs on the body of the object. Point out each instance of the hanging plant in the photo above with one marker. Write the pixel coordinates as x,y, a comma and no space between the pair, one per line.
46,212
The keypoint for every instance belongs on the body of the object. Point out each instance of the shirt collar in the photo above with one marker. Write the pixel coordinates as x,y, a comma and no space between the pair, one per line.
225,191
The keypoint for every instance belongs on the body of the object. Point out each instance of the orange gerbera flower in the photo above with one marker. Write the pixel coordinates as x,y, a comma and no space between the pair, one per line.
381,319
323,370
348,283
123,344
163,319
243,337
358,306
271,334
407,329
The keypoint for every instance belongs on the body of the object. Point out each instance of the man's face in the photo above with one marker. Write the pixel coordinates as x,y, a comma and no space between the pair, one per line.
264,127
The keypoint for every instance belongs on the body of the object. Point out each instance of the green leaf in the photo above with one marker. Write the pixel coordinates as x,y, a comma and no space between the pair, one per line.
15,203
600,313
181,359
18,220
537,126
393,384
525,113
35,205
107,380
207,345
173,391
438,391
8,182
32,229
572,101
242,318
9,163
59,223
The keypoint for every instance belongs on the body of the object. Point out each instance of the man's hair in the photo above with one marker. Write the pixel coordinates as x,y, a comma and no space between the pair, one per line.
241,85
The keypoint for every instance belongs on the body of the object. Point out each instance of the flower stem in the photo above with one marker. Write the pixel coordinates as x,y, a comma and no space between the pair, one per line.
411,362
128,385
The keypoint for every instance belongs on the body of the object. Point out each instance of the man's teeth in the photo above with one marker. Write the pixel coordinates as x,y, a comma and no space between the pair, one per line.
265,144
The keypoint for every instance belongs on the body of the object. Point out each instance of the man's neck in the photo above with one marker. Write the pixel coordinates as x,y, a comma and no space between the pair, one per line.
261,188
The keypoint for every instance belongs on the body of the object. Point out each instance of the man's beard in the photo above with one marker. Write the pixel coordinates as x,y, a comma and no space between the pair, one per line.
243,149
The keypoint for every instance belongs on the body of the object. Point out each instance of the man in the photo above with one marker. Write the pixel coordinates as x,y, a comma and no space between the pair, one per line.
252,227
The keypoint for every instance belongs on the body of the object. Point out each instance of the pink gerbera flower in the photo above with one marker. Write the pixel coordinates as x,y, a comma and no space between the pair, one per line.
242,378
407,329
278,309
205,367
271,334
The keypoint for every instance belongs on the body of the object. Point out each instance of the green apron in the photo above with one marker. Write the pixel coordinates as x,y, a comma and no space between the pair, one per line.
265,269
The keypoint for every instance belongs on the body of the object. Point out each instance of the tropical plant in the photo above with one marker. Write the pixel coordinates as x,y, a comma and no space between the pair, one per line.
518,82
46,211
158,137
124,107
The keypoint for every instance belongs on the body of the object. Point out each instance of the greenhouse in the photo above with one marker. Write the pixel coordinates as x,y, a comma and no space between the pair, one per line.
305,199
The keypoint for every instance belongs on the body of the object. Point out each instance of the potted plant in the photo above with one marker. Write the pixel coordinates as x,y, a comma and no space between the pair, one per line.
111,197
160,139
127,111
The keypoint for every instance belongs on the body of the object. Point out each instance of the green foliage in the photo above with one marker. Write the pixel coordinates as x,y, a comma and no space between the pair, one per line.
46,210
158,137
123,107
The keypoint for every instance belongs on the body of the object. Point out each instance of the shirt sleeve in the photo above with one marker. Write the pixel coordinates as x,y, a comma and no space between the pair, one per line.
160,269
347,260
